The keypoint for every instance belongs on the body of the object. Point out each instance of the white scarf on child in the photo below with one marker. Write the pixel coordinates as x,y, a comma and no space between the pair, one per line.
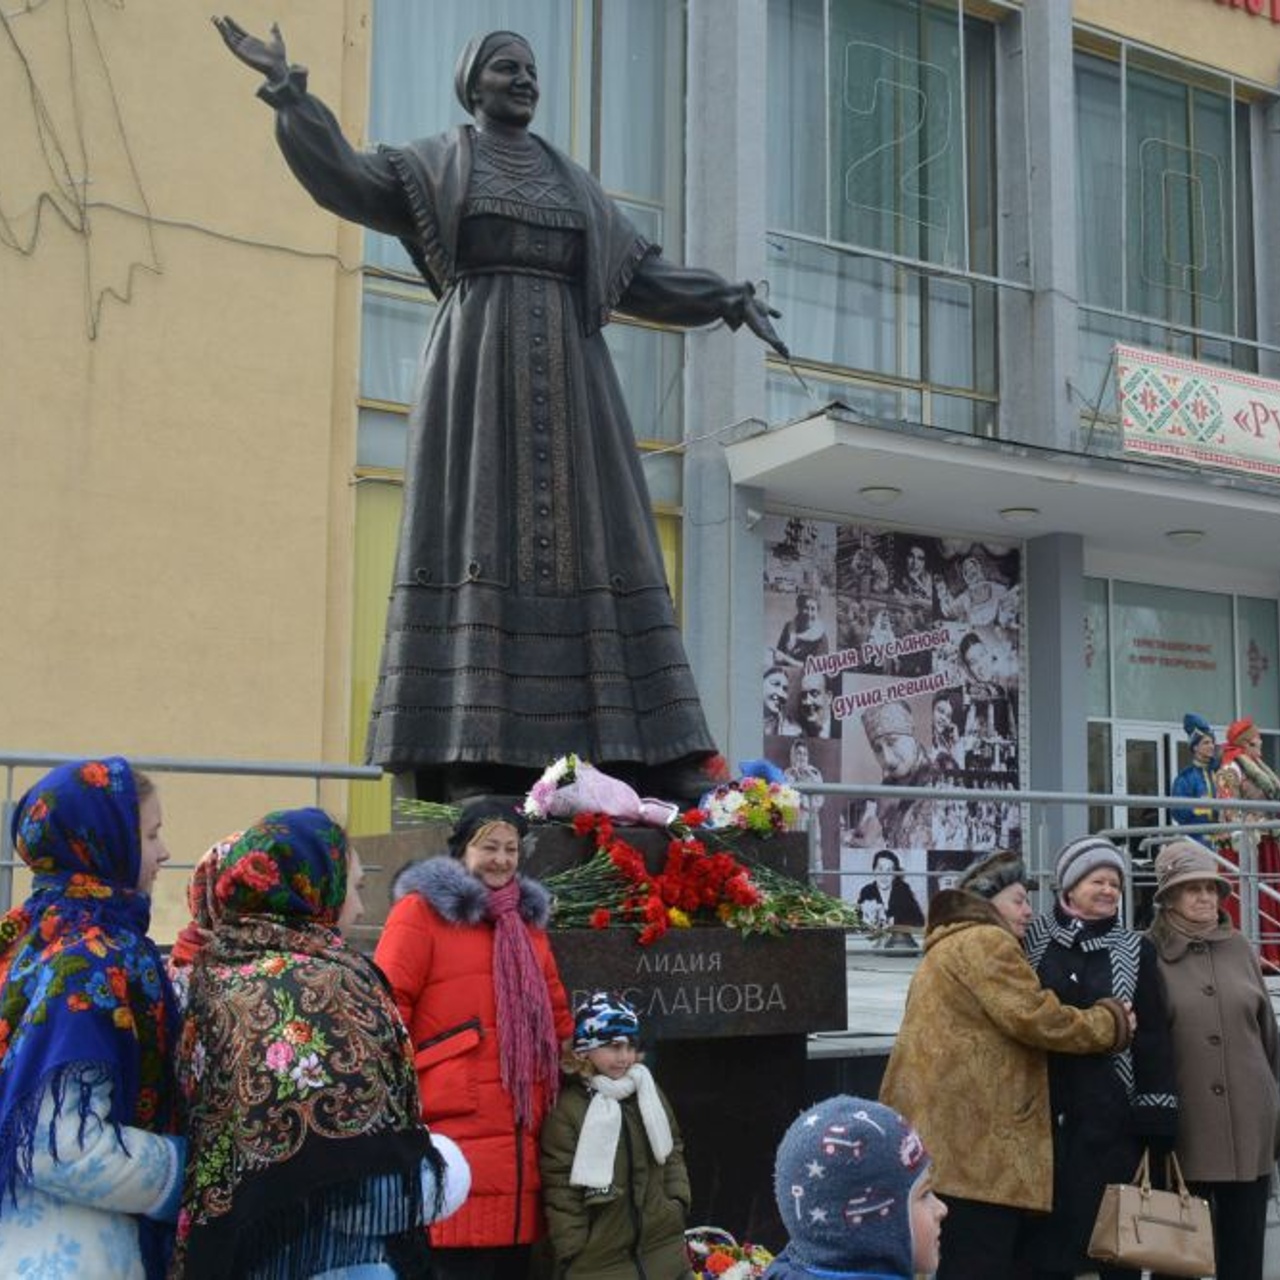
602,1126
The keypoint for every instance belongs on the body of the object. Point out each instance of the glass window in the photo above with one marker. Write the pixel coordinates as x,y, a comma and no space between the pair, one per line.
886,160
1176,245
788,399
1168,645
1099,772
893,149
641,148
650,366
416,46
845,310
897,180
1258,656
381,440
393,330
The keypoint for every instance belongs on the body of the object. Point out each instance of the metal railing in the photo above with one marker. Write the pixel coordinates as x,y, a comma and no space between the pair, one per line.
1259,892
12,761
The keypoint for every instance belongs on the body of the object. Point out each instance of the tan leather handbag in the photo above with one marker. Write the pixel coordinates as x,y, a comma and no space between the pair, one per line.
1166,1231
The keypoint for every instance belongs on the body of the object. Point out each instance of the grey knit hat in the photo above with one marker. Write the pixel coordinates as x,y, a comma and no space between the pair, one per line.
989,875
1087,854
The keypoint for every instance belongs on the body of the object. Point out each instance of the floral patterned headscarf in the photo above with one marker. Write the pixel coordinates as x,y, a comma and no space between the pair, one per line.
303,1100
205,910
292,864
84,988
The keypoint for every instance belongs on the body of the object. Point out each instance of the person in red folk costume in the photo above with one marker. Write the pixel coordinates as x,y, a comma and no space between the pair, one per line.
1243,774
467,956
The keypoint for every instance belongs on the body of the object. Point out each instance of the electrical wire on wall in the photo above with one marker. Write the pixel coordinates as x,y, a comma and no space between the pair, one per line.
71,145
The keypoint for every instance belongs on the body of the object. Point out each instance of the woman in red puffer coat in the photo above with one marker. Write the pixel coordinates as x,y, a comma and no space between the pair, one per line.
467,956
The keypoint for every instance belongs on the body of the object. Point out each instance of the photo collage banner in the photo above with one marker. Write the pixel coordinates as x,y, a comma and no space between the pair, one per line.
895,658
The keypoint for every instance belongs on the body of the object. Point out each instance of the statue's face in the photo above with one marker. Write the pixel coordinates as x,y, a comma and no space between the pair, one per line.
506,90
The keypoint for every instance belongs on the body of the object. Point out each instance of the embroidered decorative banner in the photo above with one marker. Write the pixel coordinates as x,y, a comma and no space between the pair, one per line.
1199,413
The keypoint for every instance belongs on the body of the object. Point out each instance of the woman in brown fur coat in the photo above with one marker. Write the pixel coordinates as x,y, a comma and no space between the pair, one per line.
969,1066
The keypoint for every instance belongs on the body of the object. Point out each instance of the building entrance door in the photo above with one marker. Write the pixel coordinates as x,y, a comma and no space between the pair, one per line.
1144,760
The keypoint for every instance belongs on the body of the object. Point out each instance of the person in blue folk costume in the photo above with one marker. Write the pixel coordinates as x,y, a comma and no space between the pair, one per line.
1196,780
89,1173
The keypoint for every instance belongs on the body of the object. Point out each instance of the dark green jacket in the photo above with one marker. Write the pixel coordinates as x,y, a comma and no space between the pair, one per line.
637,1228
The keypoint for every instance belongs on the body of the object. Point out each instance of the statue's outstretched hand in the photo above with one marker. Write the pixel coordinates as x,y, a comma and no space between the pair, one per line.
758,316
266,56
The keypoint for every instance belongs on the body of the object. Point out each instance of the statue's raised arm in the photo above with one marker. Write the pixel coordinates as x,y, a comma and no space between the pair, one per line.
266,56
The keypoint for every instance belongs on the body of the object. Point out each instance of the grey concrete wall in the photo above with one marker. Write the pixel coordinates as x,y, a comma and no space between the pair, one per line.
725,219
1057,694
1041,409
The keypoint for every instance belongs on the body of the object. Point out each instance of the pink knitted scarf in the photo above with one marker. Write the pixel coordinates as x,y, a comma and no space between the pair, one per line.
528,1051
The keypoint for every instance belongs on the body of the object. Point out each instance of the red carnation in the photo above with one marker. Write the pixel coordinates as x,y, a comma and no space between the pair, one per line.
600,918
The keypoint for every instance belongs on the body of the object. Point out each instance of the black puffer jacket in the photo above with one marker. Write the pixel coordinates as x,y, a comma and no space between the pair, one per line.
637,1228
1105,1108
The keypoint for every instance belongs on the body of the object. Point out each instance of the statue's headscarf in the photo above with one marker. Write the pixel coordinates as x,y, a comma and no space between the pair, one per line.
478,51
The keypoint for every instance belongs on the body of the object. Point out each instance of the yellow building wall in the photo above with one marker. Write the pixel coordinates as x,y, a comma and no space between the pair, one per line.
177,405
1202,31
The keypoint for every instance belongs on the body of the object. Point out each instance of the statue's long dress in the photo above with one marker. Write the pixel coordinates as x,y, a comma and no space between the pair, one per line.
530,613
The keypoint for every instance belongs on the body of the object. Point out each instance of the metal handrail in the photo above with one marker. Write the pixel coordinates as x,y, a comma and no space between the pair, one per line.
1260,900
11,761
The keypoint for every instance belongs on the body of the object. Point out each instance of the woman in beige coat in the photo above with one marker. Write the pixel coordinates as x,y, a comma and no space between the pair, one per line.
969,1067
1225,1050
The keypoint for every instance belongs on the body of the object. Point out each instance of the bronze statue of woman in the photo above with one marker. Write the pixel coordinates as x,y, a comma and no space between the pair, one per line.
529,614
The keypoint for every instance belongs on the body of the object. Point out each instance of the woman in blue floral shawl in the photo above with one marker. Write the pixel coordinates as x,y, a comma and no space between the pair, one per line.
89,1177
307,1153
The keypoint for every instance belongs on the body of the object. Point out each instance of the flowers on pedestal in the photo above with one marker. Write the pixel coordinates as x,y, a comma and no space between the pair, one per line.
697,885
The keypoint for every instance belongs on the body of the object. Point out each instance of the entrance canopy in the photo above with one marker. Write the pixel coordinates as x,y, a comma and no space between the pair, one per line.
840,463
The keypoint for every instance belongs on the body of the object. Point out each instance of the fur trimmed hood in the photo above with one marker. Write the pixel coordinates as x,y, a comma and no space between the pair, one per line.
462,899
949,908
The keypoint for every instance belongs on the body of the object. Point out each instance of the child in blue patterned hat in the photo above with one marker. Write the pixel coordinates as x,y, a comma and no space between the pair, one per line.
614,1183
852,1184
